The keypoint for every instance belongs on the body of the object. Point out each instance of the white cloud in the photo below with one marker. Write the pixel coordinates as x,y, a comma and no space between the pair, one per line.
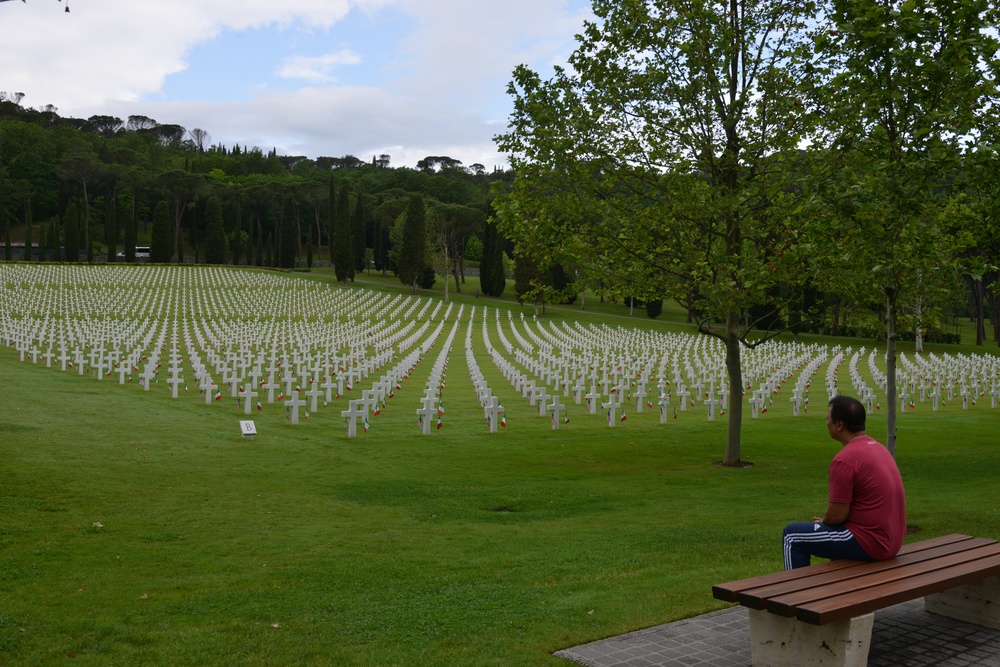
440,84
318,68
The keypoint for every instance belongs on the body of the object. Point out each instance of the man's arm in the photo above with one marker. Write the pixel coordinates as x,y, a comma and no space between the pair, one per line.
836,514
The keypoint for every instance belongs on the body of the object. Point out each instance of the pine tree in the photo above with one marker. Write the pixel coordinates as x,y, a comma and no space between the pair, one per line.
215,233
162,246
414,244
42,242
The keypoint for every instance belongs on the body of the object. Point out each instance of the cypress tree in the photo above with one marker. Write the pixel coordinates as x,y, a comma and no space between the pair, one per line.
111,227
162,246
358,233
53,238
491,271
288,243
343,248
215,232
8,252
71,233
26,255
331,225
130,234
238,237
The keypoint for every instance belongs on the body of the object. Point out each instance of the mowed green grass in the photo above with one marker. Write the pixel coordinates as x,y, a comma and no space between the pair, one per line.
137,529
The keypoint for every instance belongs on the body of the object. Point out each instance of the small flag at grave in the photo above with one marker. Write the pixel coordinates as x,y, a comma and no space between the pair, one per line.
649,404
366,423
307,414
622,418
260,408
503,420
420,422
218,395
566,419
441,408
675,413
281,395
440,424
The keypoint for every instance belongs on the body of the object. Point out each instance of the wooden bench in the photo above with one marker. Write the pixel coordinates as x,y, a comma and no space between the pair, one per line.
823,614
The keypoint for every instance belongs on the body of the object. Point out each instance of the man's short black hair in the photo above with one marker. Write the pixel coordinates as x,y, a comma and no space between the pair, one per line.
848,410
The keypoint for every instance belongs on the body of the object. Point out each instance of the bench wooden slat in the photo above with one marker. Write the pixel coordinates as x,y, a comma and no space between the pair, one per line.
756,598
872,599
848,591
731,592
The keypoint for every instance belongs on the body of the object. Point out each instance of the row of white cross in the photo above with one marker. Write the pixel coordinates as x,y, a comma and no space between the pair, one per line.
123,321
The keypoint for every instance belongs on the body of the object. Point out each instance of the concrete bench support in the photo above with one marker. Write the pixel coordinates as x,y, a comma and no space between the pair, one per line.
977,603
786,642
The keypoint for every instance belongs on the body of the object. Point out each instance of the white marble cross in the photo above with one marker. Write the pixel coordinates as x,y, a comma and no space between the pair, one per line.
612,405
493,411
293,404
247,394
555,407
351,416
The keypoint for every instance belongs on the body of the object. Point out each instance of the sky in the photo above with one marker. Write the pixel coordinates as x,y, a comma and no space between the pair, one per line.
407,78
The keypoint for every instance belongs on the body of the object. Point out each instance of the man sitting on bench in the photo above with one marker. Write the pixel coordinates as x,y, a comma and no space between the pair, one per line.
866,516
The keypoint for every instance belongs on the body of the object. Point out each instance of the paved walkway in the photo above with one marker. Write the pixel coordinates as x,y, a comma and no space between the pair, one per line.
904,635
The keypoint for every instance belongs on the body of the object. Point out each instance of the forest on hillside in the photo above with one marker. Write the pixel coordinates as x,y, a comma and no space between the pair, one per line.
75,189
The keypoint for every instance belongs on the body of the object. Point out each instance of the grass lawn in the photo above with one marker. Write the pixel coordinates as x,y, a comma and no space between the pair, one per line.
138,529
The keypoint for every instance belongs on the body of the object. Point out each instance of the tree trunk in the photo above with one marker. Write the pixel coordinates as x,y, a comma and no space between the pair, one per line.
890,369
731,339
995,314
977,311
918,334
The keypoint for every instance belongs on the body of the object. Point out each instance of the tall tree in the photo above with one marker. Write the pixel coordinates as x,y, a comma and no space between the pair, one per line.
80,164
332,213
900,89
492,277
414,243
215,232
656,159
24,193
340,239
131,231
183,188
358,224
71,233
162,245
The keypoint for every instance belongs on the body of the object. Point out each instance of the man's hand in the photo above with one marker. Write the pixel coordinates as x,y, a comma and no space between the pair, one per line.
836,514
